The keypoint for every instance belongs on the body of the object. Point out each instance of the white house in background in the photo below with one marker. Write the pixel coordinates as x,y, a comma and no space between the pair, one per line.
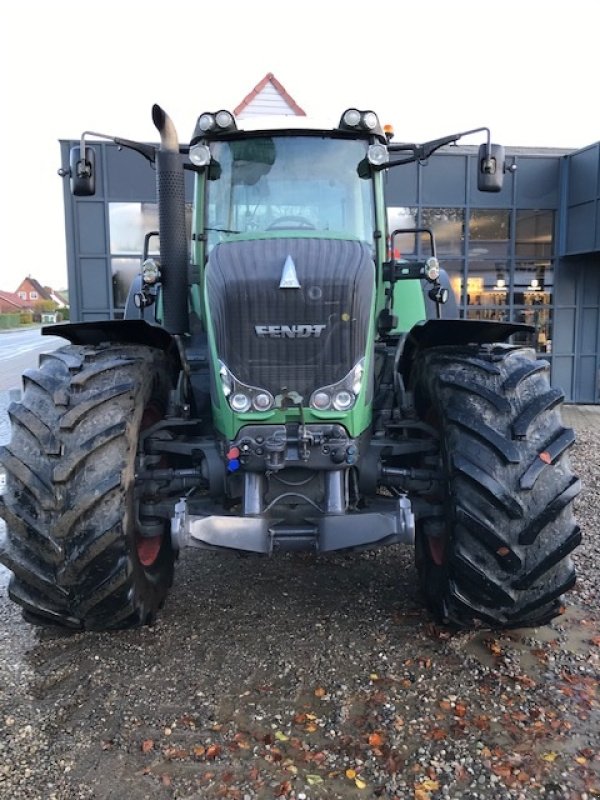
268,98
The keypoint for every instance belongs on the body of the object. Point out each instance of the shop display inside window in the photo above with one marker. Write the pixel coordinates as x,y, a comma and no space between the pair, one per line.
533,290
488,289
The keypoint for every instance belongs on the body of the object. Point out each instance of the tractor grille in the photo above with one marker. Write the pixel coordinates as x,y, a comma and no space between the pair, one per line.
336,290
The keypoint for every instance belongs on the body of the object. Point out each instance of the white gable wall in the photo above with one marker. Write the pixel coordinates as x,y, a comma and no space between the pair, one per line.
268,101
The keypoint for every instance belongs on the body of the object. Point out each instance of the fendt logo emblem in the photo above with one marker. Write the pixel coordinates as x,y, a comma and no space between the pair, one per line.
289,278
289,331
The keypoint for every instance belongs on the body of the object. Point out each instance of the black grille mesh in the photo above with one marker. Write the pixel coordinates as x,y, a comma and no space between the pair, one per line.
337,283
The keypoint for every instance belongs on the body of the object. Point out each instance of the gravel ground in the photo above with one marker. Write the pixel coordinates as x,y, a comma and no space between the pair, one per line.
308,677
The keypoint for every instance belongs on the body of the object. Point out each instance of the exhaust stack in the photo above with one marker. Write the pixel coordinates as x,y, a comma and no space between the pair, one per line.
170,188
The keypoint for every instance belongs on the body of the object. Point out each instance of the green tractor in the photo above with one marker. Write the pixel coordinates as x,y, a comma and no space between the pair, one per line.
294,388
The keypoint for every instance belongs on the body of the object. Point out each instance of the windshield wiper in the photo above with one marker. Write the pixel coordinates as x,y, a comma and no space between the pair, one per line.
222,230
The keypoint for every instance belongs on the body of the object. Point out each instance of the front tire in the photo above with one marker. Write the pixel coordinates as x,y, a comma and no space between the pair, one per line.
77,558
497,551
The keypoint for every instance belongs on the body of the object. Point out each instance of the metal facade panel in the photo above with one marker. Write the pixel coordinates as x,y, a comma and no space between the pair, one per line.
587,380
563,341
96,316
91,240
583,175
402,185
565,283
589,330
538,181
443,181
130,176
562,374
581,228
94,284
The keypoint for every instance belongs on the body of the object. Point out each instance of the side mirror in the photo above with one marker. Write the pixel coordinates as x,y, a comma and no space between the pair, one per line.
490,168
83,172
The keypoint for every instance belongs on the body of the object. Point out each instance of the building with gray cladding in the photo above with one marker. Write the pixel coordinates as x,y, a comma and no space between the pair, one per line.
530,253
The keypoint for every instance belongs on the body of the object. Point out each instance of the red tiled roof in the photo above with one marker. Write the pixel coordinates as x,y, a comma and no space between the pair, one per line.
12,299
269,78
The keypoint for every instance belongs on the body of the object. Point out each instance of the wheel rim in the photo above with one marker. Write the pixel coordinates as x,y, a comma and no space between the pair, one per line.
148,547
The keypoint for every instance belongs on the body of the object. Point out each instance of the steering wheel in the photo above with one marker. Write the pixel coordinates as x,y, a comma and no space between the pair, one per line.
298,222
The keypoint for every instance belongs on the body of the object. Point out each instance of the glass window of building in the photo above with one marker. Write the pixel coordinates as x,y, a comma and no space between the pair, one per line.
400,218
533,294
456,276
448,226
128,225
489,233
488,288
124,271
534,234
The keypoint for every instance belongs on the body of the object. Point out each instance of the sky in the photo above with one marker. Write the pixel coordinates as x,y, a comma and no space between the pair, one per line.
527,69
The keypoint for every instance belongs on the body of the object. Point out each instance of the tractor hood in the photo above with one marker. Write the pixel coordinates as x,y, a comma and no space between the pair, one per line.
290,315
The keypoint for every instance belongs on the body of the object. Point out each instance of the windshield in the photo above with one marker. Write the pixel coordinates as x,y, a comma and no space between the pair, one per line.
289,184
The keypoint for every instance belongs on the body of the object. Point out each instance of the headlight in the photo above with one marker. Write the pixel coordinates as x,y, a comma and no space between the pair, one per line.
321,400
262,401
340,396
240,402
343,400
241,397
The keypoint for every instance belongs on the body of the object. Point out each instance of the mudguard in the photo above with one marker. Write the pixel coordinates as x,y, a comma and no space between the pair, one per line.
125,331
448,332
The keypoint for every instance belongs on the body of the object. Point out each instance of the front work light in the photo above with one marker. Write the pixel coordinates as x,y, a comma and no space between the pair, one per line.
432,269
353,119
370,120
199,155
211,122
150,271
206,122
377,155
224,120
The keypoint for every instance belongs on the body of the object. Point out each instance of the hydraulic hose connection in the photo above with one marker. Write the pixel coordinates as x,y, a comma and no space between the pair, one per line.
170,188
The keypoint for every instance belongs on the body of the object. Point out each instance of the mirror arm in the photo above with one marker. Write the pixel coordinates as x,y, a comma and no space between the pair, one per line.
146,150
421,152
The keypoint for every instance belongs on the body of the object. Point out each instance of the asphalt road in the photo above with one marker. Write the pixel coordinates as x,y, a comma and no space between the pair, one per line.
19,350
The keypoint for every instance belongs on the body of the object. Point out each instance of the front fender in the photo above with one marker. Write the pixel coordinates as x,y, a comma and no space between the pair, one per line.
458,332
124,331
